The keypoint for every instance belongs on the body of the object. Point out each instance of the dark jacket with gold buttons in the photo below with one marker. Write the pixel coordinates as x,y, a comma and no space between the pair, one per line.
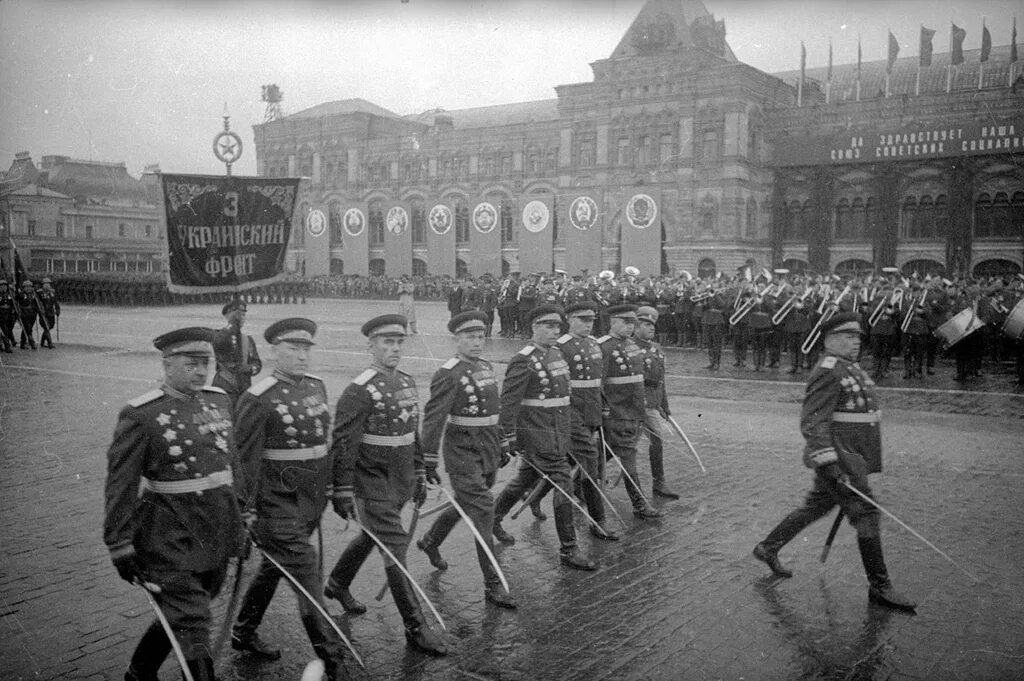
623,378
654,375
535,406
586,368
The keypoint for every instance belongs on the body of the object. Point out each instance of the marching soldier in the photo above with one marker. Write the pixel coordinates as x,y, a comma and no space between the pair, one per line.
8,313
625,397
536,422
840,423
26,306
281,425
463,408
656,411
379,466
175,443
237,358
48,313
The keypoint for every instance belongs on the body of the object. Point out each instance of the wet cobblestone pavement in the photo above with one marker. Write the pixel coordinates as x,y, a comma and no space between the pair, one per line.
679,598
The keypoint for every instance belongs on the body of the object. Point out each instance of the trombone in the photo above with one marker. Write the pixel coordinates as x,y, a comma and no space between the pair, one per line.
787,307
743,310
815,335
911,311
895,298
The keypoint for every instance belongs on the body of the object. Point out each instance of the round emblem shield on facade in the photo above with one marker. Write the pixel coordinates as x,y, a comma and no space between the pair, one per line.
397,220
440,219
354,222
583,213
641,211
536,216
316,222
485,217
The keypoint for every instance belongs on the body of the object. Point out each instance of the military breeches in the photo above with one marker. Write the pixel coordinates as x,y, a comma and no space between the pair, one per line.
657,432
622,436
384,519
527,476
185,601
473,494
584,454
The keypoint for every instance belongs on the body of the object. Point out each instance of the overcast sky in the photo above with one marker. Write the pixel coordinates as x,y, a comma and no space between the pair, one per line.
145,81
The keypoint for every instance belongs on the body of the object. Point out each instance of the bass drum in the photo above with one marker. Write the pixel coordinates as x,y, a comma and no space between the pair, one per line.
1014,324
961,325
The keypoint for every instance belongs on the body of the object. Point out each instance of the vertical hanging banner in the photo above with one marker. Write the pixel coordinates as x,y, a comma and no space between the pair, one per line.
484,240
356,256
536,236
581,231
397,242
226,234
318,243
441,241
641,235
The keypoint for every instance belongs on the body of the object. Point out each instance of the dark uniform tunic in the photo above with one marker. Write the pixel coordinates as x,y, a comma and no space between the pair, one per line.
282,424
185,524
236,363
463,408
7,318
625,397
29,311
377,456
657,408
50,310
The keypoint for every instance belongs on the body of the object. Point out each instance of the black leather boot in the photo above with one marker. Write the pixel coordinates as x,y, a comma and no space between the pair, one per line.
570,554
201,669
150,653
417,633
880,590
427,546
250,615
768,550
502,505
345,571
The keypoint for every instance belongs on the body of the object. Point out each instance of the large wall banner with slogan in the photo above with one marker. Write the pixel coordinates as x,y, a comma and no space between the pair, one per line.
397,241
907,143
226,234
535,235
441,240
356,256
485,240
641,234
318,242
581,231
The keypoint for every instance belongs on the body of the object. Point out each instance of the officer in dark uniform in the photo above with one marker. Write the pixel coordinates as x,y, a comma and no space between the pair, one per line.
176,444
536,422
26,299
795,329
463,408
8,314
656,411
488,301
281,424
915,342
49,311
841,425
527,301
237,358
625,398
713,325
760,324
379,466
508,305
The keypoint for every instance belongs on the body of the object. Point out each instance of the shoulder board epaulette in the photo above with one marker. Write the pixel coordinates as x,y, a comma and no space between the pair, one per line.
528,350
314,377
565,339
145,398
603,339
451,364
364,377
405,373
214,389
263,386
828,363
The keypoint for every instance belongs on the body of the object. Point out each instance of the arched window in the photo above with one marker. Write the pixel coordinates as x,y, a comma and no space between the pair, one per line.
419,268
795,228
996,268
710,151
844,220
908,218
795,265
923,268
853,267
418,220
708,216
643,151
378,267
376,220
751,227
999,216
334,213
706,268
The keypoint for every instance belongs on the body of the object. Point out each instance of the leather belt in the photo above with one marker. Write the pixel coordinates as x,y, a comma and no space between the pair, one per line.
388,440
585,383
212,481
549,403
474,421
857,417
300,454
622,380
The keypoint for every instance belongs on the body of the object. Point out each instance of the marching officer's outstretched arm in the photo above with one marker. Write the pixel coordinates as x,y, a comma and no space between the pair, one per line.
435,417
125,460
820,401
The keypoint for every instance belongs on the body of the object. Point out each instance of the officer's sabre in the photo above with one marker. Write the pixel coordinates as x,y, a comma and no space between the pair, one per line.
831,536
618,462
412,528
566,495
167,630
908,528
229,612
606,499
688,443
436,509
387,552
301,589
479,539
539,490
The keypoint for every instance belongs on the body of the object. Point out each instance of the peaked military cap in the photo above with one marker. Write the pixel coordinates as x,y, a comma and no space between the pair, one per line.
546,313
194,341
838,320
293,330
584,306
468,321
626,311
386,325
232,305
647,313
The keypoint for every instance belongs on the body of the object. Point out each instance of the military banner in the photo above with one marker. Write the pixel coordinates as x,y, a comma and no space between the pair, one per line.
485,240
226,234
441,241
397,241
581,228
356,255
641,234
318,243
536,235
